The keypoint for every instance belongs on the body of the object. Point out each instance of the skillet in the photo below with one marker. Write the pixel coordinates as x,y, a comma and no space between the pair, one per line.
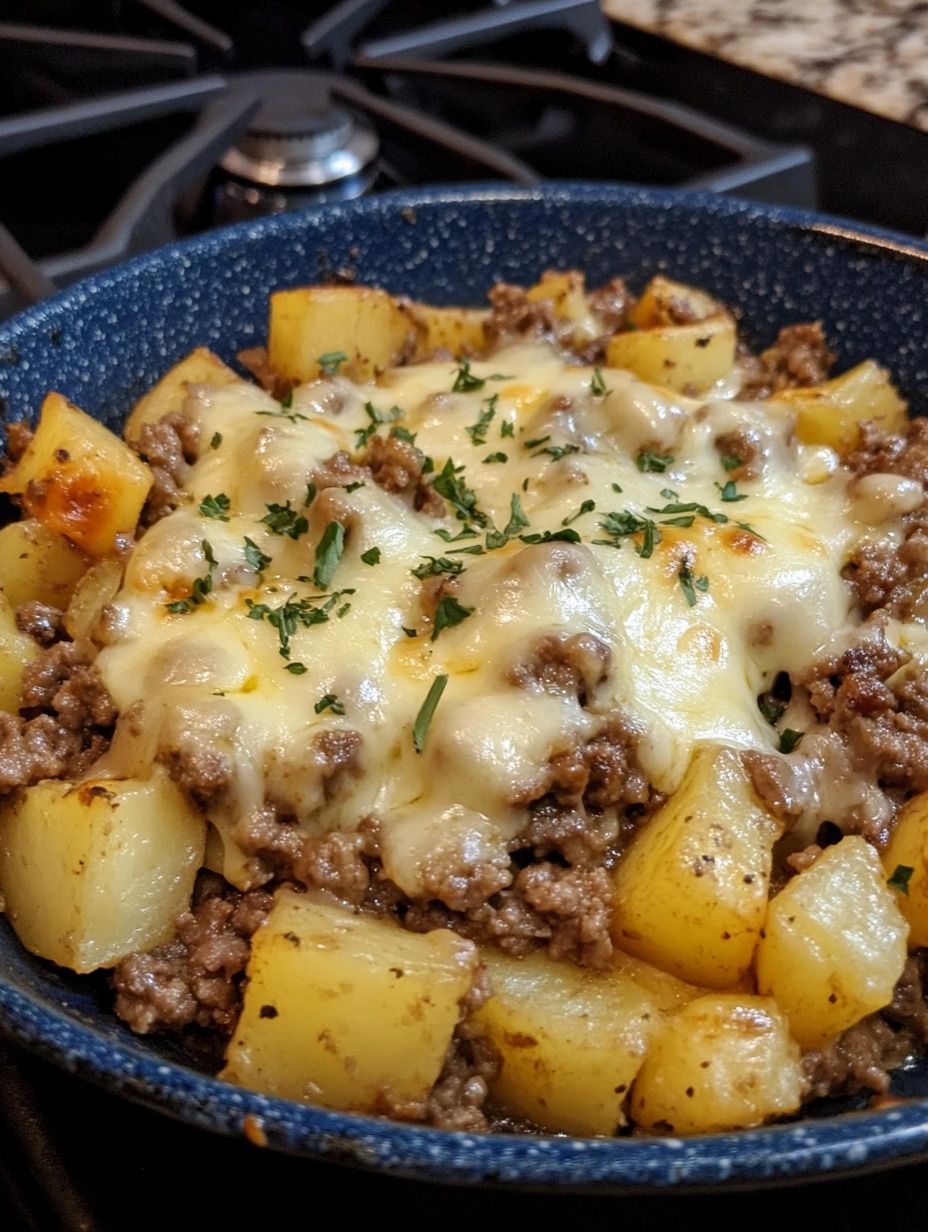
103,342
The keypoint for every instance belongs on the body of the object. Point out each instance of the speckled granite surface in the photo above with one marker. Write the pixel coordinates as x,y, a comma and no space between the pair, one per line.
872,53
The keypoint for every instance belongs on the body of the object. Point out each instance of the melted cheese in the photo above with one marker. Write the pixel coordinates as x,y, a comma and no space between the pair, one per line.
681,672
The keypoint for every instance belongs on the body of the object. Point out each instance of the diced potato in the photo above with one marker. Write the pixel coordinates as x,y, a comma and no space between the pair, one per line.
16,650
79,479
834,943
37,563
723,1062
94,591
200,367
571,1041
364,323
567,295
93,871
345,1010
686,358
665,302
691,891
908,849
458,330
831,413
666,991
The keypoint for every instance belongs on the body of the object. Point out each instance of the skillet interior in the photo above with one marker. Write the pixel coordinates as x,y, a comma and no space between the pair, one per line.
105,341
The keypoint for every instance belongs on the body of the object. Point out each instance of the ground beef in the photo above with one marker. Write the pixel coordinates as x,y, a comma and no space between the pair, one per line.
584,840
572,664
196,978
885,728
202,773
396,466
40,621
746,447
799,357
18,439
577,906
62,681
34,749
169,447
601,773
514,315
611,304
881,453
858,1060
894,578
337,472
467,881
257,361
337,863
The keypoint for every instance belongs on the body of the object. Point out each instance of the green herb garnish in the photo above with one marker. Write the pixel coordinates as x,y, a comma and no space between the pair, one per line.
789,739
689,585
254,558
371,556
284,520
598,385
653,463
216,507
330,363
902,875
448,613
426,711
329,702
328,553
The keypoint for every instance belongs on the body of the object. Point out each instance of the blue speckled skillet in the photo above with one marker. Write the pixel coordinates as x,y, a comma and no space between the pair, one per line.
103,342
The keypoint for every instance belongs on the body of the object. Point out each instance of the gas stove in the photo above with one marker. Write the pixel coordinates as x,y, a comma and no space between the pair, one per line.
126,124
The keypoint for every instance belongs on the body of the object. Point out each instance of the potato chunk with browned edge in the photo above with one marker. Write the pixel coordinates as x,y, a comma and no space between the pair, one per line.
722,1062
571,1041
834,943
38,564
691,891
200,367
908,852
93,871
831,413
346,1010
79,479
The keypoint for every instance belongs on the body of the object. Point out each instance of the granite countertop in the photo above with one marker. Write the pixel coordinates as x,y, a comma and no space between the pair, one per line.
870,53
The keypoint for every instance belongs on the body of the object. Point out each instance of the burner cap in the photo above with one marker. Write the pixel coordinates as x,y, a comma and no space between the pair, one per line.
299,136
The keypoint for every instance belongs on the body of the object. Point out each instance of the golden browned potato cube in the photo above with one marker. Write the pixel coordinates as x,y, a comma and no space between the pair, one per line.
96,870
458,330
686,358
723,1062
78,479
36,563
691,891
200,367
831,413
345,1010
16,650
908,850
665,302
834,943
364,324
571,1041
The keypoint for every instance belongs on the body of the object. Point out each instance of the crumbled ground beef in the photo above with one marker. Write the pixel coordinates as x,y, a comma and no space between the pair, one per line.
514,315
257,361
611,304
577,905
337,863
196,978
396,466
799,357
583,839
746,447
601,773
572,664
881,453
65,721
885,728
169,447
40,621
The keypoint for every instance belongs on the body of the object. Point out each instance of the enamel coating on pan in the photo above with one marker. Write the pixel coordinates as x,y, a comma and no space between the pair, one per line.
105,341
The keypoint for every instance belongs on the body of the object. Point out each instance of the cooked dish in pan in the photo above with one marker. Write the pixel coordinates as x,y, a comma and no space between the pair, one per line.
505,717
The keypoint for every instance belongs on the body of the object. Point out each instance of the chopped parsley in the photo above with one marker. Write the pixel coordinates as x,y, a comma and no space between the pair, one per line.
284,520
730,462
310,495
517,521
499,456
902,875
619,526
215,440
434,566
789,739
538,440
285,412
287,400
216,507
371,556
478,431
568,535
587,507
689,585
450,484
328,553
771,709
729,492
329,702
400,433
597,384
464,380
449,613
353,487
200,587
467,532
375,418
556,452
506,428
296,669
331,361
294,614
426,711
653,463
254,558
